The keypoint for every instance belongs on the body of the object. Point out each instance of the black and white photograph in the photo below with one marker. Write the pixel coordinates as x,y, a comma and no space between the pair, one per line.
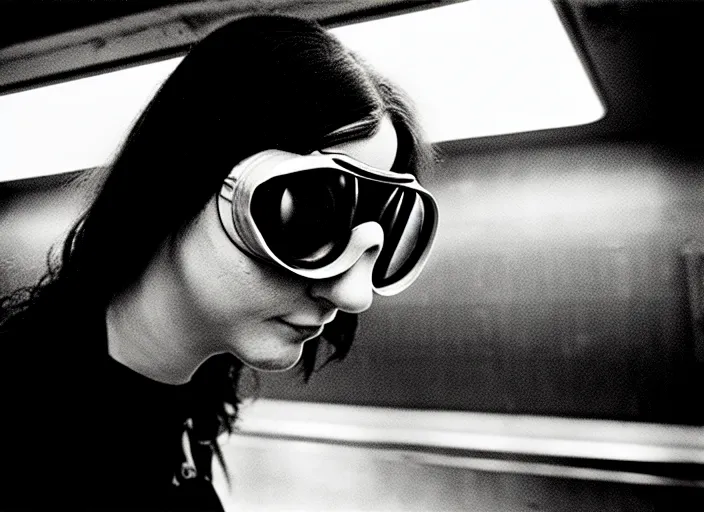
352,255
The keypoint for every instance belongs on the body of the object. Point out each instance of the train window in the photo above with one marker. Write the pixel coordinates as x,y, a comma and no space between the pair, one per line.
73,125
476,68
483,67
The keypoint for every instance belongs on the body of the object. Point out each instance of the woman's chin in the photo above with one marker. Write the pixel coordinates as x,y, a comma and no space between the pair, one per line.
279,363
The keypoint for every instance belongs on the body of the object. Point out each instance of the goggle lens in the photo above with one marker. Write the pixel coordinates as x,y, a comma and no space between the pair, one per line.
305,218
403,222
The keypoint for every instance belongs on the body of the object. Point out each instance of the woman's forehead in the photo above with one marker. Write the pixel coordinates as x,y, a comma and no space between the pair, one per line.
378,151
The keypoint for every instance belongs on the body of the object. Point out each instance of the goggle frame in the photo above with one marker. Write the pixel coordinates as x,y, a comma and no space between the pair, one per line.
237,191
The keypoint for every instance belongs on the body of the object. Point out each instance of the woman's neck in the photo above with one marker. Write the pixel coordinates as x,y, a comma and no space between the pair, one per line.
151,330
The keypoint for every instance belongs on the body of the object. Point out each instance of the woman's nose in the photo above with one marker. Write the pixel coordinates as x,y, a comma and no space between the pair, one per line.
352,290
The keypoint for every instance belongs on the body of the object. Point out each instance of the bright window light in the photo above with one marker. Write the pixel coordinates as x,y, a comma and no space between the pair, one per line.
73,125
482,67
476,68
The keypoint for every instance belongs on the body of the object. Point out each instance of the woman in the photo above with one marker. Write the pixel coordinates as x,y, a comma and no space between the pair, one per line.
212,243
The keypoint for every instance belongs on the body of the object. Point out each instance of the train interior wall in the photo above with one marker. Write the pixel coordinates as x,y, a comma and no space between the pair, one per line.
557,287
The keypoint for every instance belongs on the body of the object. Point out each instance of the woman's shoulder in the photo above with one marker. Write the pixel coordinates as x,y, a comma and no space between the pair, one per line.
45,344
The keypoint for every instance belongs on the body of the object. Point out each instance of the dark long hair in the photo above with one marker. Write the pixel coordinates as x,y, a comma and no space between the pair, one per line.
259,82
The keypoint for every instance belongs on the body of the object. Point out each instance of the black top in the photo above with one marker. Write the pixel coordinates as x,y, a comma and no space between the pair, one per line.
95,436
157,462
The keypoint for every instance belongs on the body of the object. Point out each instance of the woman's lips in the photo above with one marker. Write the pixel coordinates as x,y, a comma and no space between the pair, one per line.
304,331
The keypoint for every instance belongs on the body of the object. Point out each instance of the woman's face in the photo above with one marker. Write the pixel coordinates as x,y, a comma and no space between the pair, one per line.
261,313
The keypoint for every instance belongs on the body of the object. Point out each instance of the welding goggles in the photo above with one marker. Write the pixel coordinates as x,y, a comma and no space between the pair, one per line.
316,214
